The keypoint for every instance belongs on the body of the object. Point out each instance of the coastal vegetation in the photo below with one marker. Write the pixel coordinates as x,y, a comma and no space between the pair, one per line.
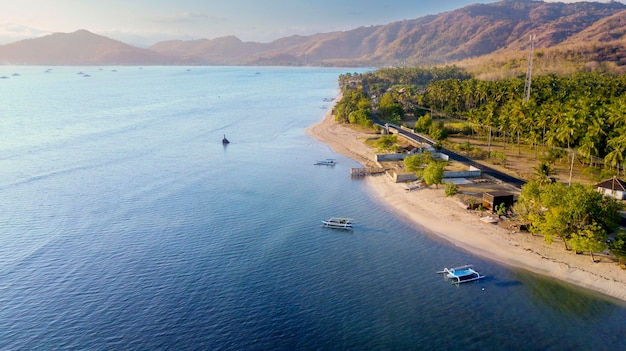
578,119
577,214
425,167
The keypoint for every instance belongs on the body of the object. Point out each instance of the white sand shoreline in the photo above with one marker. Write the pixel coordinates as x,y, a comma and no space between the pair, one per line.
431,210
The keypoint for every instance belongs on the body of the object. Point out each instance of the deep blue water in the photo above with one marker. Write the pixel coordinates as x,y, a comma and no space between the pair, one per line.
126,224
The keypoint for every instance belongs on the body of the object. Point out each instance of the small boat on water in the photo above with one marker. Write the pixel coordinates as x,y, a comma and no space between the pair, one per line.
462,274
338,223
326,162
225,141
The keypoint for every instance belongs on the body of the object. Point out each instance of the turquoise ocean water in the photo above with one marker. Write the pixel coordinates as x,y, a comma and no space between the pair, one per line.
125,224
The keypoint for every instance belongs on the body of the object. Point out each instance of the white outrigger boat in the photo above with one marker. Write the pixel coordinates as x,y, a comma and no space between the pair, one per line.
462,274
327,162
338,223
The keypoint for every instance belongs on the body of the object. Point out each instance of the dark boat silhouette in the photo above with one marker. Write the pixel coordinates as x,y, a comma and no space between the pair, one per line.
225,141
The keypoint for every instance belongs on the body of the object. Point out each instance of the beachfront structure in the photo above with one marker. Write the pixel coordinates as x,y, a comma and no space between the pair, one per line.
493,199
613,187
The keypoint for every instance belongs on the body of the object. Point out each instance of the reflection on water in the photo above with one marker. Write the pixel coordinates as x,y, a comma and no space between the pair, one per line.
560,297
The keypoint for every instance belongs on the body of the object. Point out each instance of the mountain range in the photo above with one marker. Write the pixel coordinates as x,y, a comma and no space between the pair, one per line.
469,32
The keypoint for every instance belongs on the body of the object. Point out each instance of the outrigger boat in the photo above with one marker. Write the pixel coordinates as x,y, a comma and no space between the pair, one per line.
462,274
338,223
327,162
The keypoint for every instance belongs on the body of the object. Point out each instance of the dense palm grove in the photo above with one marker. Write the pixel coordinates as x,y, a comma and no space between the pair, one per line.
582,115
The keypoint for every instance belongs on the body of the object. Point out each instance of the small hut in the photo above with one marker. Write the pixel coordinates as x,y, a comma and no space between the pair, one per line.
613,187
493,199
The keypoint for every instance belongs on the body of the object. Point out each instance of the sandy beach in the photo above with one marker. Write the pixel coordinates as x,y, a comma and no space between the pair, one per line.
437,215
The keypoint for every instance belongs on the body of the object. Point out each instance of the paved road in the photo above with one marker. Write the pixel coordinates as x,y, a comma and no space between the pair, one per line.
503,177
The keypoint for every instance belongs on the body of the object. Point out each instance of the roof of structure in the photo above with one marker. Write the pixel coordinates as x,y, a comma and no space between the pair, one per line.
612,184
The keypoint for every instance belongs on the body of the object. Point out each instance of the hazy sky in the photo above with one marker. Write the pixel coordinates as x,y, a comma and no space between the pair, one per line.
145,22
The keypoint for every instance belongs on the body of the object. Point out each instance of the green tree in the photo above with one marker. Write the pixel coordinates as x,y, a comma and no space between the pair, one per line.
423,124
617,145
499,156
555,210
541,120
616,112
451,189
618,246
415,163
528,206
351,101
433,173
566,133
516,121
386,142
437,131
361,117
590,239
389,108
543,174
489,119
589,145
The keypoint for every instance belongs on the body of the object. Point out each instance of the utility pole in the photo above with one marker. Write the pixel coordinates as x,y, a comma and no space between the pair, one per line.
529,70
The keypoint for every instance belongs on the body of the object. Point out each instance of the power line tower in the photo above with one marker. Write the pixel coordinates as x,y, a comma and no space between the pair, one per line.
529,70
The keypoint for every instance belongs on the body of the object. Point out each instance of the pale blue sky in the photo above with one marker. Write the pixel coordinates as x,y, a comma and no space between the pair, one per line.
145,22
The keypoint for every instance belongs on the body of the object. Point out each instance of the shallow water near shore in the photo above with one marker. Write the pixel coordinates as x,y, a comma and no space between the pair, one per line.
126,224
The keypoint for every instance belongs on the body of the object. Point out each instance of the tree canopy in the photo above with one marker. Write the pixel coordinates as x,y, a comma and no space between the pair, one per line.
578,214
433,173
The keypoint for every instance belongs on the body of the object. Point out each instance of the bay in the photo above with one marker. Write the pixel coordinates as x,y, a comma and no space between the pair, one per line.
126,224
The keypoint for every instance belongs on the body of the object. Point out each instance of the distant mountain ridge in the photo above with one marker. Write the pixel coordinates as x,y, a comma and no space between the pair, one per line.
471,31
78,48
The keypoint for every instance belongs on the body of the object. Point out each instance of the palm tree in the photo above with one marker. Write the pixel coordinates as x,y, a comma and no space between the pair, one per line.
543,174
566,133
616,112
617,145
481,92
590,144
504,121
541,121
516,121
469,93
489,120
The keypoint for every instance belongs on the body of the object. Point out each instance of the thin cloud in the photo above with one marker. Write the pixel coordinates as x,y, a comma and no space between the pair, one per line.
10,32
188,18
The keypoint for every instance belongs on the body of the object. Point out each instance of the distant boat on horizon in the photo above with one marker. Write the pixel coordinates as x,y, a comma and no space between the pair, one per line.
225,141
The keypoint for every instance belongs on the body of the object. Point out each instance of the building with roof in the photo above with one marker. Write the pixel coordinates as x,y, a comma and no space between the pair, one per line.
613,187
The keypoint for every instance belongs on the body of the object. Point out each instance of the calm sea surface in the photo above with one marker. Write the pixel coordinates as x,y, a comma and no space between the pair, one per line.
125,224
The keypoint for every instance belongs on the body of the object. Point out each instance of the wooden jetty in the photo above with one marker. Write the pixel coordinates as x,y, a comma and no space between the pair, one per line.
361,172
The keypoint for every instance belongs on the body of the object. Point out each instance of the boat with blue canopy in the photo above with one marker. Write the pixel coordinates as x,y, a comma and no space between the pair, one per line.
461,274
